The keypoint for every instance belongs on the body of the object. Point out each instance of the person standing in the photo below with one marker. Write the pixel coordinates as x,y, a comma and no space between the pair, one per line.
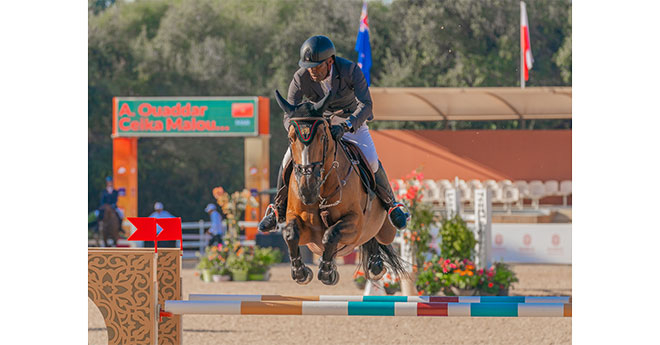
159,212
217,229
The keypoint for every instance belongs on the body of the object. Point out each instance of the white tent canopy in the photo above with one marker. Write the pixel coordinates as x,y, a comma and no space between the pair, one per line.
473,104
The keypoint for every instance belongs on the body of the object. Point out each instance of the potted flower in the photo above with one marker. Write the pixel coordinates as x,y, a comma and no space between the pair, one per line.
221,274
239,266
359,279
205,266
496,280
262,259
392,284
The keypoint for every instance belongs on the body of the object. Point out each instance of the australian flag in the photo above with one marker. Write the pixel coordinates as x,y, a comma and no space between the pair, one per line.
362,45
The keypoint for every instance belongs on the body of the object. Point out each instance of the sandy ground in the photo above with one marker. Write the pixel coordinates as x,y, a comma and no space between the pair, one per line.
535,280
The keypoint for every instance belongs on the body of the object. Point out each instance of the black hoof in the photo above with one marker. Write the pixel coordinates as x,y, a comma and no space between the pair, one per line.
329,278
302,275
376,268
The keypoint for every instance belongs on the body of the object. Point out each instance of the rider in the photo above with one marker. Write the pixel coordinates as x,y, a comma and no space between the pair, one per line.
322,73
109,196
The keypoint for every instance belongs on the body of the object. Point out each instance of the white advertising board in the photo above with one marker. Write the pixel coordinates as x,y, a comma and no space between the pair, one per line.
531,243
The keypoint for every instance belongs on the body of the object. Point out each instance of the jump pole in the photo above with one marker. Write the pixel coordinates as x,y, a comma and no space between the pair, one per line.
358,298
355,308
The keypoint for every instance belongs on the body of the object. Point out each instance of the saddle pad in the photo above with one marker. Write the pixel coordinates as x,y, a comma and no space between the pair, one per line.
355,154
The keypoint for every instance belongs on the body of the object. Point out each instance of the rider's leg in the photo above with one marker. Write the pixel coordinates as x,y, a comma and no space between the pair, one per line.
276,212
383,188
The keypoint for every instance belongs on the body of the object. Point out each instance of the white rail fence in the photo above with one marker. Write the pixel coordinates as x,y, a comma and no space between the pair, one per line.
192,242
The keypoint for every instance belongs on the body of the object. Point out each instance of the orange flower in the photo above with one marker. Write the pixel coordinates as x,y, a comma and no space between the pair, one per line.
470,267
386,284
462,273
470,273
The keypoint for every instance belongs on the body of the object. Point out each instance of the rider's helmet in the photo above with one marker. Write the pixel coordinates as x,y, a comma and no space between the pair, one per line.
108,179
315,50
158,206
209,208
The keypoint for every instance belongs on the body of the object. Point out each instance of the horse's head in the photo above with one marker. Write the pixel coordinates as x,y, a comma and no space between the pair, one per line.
309,138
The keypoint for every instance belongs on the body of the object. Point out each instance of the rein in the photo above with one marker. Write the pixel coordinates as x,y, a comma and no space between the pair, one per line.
308,169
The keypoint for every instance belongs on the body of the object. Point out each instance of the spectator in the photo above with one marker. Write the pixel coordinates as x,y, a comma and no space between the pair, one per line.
217,228
159,212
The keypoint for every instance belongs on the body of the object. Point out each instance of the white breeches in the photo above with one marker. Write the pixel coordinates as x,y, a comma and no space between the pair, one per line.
361,137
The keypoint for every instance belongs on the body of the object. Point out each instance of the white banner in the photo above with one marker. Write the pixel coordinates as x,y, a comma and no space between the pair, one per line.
531,243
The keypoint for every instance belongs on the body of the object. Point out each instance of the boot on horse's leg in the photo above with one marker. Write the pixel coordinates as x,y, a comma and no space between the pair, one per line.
276,213
299,272
397,216
373,260
328,273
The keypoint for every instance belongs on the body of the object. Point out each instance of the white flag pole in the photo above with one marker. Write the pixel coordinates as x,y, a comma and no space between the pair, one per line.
522,47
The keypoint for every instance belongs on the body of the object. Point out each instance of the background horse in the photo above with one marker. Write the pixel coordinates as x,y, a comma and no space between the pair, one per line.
328,209
109,226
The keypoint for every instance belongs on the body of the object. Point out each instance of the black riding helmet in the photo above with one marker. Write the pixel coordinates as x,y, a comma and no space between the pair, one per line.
315,50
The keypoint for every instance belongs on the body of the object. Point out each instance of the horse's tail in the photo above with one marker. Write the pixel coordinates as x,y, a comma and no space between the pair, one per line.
392,260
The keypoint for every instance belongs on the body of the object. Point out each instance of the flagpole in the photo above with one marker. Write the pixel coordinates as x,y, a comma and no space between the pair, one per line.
522,52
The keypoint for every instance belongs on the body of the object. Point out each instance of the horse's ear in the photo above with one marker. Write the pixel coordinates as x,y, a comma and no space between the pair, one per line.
320,106
288,108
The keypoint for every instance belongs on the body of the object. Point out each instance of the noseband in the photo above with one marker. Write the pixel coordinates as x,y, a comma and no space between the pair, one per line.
308,169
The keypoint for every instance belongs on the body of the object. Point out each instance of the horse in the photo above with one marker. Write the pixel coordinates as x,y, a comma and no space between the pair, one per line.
328,209
109,226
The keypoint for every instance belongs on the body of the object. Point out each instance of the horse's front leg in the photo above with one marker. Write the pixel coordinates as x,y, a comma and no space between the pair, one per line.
345,226
291,233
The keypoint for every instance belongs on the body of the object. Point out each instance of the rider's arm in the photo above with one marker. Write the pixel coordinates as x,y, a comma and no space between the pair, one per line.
361,89
294,96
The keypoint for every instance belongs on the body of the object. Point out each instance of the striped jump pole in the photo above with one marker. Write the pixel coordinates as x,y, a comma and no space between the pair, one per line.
419,299
360,308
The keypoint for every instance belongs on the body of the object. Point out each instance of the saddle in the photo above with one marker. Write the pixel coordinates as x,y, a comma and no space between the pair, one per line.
361,165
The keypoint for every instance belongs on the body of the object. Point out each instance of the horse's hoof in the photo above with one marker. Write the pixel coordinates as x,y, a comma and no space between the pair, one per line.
379,275
376,269
331,278
302,276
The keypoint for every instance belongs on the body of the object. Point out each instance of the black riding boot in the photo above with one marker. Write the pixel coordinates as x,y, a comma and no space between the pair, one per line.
398,217
276,213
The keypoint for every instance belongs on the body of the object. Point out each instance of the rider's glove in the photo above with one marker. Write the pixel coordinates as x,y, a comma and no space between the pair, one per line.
337,131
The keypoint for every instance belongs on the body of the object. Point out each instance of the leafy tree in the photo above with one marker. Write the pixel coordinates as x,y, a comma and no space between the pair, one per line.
249,47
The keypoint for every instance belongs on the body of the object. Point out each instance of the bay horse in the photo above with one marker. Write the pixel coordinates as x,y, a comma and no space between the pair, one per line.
109,226
328,208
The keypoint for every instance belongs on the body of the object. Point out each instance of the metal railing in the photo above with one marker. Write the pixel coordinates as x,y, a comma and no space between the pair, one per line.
192,242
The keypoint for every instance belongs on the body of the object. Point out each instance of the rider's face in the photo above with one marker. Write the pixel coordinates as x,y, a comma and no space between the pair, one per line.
320,72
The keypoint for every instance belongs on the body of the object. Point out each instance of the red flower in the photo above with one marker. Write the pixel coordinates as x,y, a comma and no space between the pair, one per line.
490,285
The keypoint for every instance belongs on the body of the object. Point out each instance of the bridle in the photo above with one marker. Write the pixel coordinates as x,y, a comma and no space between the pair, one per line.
309,168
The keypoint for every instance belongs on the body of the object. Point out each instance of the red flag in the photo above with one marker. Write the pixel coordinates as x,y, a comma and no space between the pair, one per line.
171,230
525,46
145,229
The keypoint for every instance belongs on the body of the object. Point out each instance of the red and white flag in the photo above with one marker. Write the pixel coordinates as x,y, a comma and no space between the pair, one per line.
525,46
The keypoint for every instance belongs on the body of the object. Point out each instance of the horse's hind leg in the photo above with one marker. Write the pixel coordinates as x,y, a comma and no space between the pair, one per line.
328,274
299,272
